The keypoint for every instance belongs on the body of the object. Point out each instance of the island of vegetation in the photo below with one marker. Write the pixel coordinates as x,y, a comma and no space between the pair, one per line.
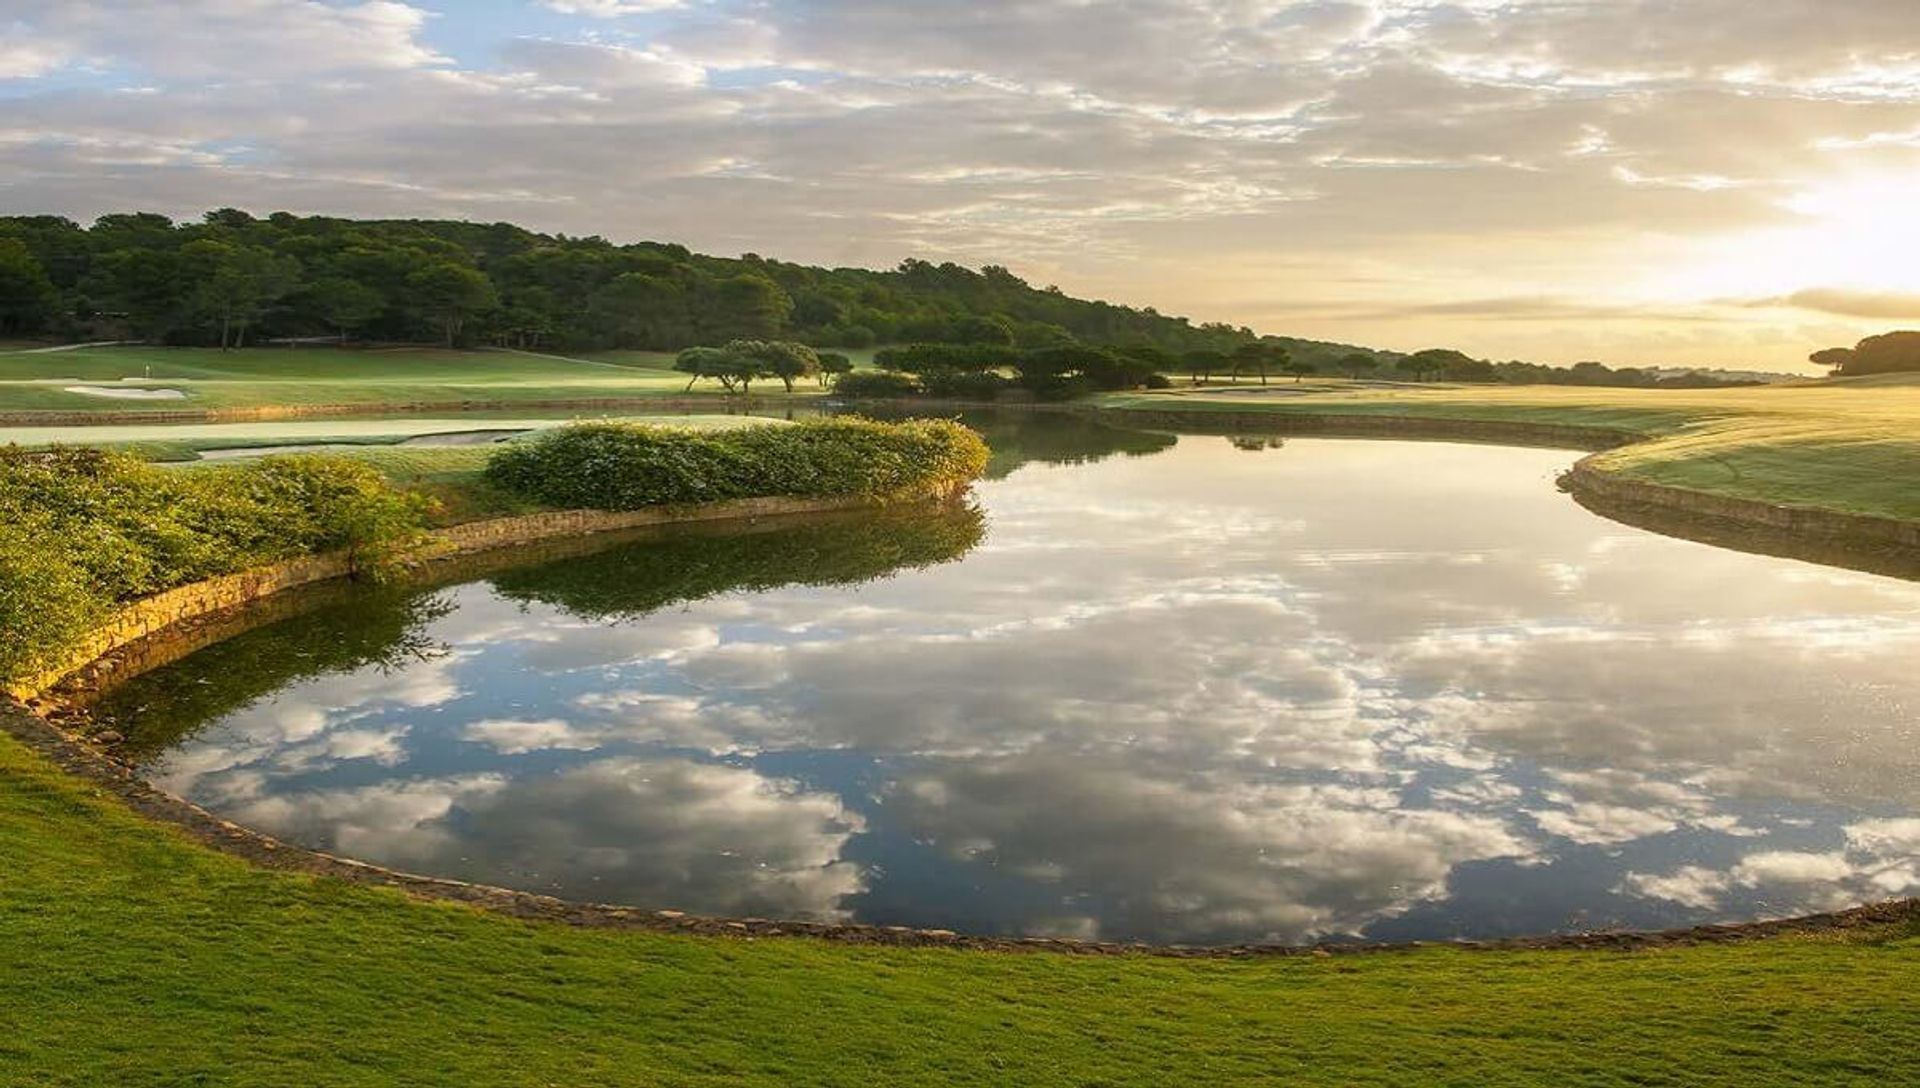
84,530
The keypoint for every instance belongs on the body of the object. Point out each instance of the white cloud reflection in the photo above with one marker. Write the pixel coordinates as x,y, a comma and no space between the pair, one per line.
1407,666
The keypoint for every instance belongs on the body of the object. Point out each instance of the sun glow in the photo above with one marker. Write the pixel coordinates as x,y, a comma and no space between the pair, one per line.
1855,234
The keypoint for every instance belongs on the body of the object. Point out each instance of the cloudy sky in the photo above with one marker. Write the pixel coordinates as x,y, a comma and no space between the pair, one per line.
1717,182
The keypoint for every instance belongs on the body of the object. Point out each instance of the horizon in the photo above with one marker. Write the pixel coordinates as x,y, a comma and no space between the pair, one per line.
1712,187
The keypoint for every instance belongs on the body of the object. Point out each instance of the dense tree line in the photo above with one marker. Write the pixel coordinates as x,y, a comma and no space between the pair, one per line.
234,279
984,371
1888,353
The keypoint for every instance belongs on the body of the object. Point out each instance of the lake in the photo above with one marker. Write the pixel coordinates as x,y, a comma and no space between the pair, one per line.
1193,690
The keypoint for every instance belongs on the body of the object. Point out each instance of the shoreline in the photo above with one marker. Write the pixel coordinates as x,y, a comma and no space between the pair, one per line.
92,765
148,633
1867,542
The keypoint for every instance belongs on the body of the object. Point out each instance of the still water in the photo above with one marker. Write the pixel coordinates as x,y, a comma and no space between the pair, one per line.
1181,691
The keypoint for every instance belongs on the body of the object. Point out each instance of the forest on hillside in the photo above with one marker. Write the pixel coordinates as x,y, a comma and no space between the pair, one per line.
234,279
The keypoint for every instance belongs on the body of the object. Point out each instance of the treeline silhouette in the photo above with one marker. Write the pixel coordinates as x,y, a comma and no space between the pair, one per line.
234,279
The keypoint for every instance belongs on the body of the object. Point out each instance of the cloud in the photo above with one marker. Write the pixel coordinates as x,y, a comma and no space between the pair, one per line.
228,40
1832,300
1204,861
608,9
655,833
1514,179
1881,860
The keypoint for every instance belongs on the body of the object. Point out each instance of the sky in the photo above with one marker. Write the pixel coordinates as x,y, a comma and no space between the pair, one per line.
1690,182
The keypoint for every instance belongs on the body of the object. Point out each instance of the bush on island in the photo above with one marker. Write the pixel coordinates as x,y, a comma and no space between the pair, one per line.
627,466
82,530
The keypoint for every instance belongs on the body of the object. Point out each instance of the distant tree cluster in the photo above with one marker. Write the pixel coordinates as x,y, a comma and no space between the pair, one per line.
234,279
1448,365
1888,353
736,365
982,371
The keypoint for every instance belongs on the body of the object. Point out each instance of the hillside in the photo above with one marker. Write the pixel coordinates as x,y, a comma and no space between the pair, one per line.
234,279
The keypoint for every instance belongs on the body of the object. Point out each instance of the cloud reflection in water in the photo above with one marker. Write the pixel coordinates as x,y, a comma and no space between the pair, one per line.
1339,688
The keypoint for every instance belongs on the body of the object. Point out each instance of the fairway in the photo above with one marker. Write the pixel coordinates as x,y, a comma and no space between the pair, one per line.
293,378
371,431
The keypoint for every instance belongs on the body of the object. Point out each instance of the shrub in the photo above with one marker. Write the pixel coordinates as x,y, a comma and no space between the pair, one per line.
625,466
86,529
47,602
960,385
876,385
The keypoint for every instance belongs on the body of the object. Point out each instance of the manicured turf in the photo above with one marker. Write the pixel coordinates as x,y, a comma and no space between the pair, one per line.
129,956
1842,445
295,377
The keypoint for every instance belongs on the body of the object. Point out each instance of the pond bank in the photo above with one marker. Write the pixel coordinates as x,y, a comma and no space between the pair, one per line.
153,616
1838,537
90,764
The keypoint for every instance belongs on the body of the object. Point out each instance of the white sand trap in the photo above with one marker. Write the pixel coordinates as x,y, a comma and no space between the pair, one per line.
126,392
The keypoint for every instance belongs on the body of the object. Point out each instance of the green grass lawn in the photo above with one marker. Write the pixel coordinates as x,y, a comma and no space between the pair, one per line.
1843,445
130,956
295,377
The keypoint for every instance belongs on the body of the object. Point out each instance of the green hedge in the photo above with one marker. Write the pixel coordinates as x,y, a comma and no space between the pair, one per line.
876,385
626,466
82,530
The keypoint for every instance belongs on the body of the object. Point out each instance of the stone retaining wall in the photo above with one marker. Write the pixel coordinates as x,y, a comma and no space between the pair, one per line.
150,616
1584,480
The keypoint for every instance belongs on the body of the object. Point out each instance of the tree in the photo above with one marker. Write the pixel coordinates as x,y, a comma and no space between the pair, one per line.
1446,363
984,329
716,363
26,294
1888,353
450,293
1259,358
1299,368
344,304
747,306
233,284
1357,363
832,365
783,359
1203,363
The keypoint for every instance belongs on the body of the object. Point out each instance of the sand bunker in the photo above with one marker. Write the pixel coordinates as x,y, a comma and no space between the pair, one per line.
126,392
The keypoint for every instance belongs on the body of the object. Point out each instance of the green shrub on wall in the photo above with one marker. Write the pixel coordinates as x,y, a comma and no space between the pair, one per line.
626,466
82,530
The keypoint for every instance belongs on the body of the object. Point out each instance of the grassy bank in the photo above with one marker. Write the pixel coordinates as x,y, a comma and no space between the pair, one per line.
1850,446
294,378
133,957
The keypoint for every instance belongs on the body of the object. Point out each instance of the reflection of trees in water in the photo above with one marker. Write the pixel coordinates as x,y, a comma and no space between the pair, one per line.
386,628
1058,439
633,580
1254,443
382,628
1050,438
